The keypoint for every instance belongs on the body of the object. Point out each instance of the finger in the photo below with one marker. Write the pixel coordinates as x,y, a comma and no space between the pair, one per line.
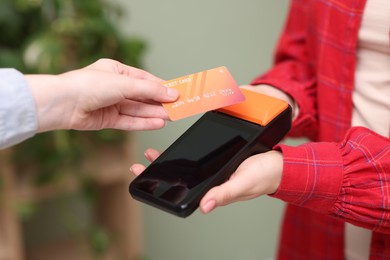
138,73
221,195
140,89
141,109
132,83
129,71
111,65
151,154
130,123
137,169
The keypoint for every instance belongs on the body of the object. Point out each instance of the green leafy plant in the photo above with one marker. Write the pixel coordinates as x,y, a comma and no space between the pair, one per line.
54,36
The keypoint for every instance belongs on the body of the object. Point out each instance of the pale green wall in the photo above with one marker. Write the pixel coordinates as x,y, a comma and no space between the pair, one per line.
189,36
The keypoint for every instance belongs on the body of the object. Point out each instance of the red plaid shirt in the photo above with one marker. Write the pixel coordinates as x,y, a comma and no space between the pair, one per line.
345,174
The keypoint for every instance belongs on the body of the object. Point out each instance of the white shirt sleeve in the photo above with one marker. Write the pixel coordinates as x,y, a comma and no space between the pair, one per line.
18,119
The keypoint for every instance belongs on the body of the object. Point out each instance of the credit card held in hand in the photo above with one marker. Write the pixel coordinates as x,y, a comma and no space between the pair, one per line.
203,91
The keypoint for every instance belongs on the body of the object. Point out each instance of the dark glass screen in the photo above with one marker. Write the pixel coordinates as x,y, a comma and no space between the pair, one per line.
196,156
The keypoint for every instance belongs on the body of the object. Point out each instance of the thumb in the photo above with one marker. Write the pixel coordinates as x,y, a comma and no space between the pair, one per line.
134,88
221,195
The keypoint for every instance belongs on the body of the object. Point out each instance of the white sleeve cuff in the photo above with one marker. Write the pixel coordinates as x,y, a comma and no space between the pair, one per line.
18,120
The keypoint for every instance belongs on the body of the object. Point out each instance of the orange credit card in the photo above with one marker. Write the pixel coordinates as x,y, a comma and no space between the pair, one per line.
203,91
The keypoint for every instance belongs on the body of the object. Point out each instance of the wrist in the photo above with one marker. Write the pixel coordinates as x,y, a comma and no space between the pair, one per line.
49,101
276,170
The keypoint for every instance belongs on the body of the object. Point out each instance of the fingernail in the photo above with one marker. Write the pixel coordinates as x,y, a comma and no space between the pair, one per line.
173,92
134,169
209,206
146,156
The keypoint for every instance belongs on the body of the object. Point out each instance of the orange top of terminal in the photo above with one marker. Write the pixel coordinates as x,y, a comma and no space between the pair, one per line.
257,108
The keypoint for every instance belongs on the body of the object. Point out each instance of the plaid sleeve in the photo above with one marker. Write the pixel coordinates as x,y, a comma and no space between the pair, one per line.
17,109
349,180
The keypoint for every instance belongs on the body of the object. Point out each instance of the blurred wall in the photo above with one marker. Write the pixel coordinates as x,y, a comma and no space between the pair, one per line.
189,36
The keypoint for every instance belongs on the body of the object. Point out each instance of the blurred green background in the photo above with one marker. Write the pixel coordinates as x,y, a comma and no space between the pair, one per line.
169,39
54,36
